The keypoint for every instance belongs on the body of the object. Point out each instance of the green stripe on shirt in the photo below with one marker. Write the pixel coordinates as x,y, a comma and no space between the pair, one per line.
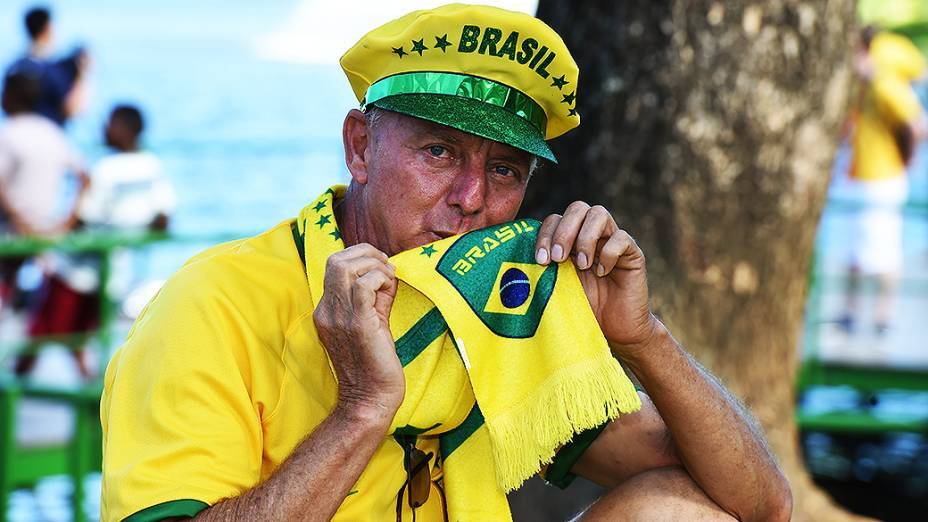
428,328
558,472
452,440
172,508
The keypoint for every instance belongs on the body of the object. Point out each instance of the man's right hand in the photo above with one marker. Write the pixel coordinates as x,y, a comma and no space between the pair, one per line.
352,320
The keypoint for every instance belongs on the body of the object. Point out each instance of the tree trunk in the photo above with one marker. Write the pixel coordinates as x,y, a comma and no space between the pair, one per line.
708,128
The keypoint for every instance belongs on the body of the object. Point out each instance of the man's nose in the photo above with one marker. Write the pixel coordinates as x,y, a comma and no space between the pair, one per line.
468,191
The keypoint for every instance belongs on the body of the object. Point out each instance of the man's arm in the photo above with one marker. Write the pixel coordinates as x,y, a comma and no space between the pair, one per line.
71,222
712,436
352,320
312,483
689,419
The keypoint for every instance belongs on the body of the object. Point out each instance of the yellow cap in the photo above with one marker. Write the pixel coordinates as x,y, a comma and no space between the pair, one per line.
499,74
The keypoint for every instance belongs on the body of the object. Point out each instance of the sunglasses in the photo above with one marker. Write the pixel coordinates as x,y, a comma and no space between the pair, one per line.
418,480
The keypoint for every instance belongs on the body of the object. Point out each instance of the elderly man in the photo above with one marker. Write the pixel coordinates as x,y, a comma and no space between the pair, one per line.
339,366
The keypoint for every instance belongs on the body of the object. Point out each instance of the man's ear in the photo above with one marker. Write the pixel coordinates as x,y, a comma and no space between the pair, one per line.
358,142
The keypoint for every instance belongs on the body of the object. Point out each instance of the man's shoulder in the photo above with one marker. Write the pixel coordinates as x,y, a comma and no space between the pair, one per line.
251,289
267,262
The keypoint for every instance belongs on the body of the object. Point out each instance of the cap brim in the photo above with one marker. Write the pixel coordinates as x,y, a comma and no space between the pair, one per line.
475,117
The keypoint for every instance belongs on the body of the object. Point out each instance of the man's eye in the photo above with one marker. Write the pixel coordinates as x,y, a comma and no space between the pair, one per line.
502,170
437,150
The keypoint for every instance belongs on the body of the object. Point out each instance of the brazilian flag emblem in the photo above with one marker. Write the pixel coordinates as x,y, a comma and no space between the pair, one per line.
494,270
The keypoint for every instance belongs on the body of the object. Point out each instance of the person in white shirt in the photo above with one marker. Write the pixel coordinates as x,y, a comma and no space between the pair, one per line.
35,162
127,191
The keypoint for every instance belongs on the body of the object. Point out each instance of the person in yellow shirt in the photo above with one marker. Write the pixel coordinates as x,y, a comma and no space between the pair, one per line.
889,121
302,375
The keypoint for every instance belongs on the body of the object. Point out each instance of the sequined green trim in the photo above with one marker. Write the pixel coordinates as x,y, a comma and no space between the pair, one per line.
465,86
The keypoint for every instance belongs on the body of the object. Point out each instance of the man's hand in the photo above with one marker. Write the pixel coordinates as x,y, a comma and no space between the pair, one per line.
611,268
722,450
352,320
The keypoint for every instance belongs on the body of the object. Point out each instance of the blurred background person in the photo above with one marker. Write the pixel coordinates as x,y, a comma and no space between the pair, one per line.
35,160
128,192
128,189
888,122
63,89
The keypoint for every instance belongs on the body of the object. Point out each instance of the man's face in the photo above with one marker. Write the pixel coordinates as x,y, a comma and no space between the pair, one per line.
425,181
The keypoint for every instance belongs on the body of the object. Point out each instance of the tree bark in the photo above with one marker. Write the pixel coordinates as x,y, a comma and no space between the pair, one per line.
708,128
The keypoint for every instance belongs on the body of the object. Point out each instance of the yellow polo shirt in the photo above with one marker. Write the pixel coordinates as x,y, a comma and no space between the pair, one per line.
223,375
888,103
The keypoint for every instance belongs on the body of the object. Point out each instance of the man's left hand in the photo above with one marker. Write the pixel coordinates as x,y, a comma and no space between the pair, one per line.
611,268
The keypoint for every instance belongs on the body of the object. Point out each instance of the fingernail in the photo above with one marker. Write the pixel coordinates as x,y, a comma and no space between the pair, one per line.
581,261
556,253
600,270
541,257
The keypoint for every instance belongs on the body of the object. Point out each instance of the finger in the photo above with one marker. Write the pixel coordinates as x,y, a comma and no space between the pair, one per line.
618,246
543,240
567,230
383,301
344,272
597,225
360,250
364,290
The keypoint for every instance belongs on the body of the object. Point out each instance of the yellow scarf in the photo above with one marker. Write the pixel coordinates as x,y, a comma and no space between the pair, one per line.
540,369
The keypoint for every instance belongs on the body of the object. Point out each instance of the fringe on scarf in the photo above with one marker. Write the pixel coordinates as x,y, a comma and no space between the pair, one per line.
528,435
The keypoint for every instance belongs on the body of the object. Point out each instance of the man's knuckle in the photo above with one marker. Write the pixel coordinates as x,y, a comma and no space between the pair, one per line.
578,206
551,221
612,249
331,263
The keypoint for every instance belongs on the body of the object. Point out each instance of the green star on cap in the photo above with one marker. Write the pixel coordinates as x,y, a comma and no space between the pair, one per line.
427,251
442,42
418,47
323,220
569,98
559,82
319,206
399,52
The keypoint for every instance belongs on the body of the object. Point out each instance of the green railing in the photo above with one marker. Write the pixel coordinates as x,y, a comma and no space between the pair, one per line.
25,466
869,380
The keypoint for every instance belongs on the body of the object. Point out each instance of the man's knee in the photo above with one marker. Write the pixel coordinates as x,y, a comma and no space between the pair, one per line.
665,494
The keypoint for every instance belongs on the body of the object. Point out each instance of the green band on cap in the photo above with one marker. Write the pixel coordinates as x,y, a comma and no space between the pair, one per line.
463,85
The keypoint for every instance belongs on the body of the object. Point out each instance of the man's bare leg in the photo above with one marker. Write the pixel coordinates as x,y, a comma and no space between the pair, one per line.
665,494
885,301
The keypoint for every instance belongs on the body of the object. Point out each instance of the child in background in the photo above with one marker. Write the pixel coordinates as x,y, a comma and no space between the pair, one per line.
128,192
